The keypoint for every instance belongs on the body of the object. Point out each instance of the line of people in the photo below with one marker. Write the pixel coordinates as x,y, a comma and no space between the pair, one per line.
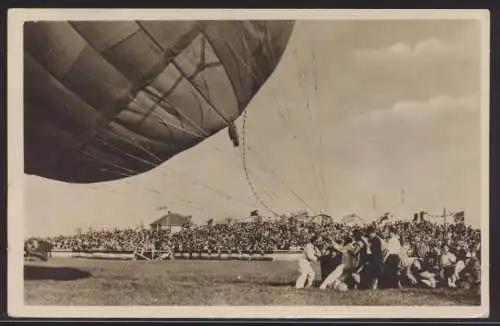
369,260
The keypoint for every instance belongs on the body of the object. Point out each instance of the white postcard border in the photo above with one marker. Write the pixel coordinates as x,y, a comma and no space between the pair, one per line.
16,306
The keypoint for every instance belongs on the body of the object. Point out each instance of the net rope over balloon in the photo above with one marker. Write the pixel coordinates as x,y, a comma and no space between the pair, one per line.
108,100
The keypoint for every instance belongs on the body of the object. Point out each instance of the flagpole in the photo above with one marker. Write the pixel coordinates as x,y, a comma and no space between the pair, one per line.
445,226
402,210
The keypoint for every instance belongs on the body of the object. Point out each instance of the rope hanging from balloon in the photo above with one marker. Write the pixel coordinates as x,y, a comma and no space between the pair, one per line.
245,168
233,135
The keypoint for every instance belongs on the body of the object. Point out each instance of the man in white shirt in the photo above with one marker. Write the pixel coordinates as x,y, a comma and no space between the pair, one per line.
447,262
392,259
393,244
310,254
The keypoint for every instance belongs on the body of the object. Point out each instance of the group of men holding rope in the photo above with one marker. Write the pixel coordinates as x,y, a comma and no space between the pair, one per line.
367,260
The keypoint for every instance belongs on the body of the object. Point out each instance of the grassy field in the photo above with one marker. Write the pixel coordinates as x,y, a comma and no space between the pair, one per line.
71,281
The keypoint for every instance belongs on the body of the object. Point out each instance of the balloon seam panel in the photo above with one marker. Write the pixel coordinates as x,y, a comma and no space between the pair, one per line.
184,74
108,117
69,90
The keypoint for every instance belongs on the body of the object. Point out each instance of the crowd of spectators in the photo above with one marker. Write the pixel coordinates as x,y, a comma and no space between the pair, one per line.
258,237
446,252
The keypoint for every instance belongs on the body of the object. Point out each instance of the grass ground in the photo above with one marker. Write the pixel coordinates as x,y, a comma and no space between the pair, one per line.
70,281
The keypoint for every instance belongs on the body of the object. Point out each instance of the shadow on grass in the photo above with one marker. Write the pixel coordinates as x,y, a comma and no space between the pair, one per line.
281,284
54,273
315,284
253,282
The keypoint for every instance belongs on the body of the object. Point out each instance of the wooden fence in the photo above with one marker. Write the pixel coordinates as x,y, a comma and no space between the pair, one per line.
275,255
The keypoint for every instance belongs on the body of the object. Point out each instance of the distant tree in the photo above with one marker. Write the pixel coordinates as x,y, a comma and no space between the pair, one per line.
210,221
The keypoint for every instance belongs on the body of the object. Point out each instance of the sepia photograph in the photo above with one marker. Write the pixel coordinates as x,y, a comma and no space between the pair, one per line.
248,163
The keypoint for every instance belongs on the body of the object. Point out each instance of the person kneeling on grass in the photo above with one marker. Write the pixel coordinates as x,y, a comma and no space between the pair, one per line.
359,254
341,265
470,275
310,254
412,272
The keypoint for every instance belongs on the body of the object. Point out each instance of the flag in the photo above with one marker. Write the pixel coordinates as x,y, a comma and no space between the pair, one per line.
383,218
459,217
422,216
254,213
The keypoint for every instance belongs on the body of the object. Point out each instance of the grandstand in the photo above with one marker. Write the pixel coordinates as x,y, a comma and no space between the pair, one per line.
242,239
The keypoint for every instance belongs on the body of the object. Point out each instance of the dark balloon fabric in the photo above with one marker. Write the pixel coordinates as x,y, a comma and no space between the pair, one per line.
108,100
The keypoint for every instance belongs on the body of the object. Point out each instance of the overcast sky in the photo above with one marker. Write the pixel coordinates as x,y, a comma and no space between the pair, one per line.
396,106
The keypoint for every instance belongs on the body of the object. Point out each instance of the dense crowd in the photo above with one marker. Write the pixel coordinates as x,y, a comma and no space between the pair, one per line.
424,241
420,236
217,237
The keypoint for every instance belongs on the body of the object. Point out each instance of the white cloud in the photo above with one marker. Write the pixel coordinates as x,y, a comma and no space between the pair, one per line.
430,46
441,104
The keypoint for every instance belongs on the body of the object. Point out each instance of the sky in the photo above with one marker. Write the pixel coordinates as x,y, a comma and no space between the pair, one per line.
359,117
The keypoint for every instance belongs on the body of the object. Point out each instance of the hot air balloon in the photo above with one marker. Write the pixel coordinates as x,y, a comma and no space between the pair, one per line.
105,100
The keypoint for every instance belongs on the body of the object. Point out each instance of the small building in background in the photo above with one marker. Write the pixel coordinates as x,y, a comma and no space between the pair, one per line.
323,219
353,219
171,222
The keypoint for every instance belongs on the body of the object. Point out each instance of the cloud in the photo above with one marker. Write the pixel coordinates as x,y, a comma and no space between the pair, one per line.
430,46
379,75
442,123
437,105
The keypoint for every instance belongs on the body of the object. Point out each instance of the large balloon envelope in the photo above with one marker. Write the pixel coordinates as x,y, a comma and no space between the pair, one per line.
107,100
